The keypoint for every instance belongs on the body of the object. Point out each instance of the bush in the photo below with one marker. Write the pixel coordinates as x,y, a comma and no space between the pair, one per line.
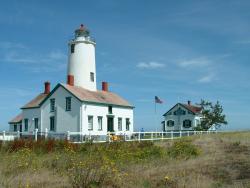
183,149
95,170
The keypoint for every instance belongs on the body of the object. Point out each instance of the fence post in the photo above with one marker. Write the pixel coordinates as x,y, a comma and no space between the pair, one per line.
188,133
36,130
46,133
172,135
18,135
139,136
68,135
152,136
3,136
180,134
162,135
194,132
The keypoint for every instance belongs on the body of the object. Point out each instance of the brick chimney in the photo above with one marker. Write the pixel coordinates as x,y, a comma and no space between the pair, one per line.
105,86
189,103
70,80
46,87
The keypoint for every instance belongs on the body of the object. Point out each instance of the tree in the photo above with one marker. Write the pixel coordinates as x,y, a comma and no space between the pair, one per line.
212,115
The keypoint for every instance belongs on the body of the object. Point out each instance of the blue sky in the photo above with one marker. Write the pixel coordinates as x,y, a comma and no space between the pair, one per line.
177,50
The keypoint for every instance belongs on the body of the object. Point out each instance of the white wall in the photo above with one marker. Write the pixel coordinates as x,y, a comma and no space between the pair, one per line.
82,62
30,114
101,110
179,119
64,120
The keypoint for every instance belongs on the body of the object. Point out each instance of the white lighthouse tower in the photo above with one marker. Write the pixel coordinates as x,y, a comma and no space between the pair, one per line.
81,63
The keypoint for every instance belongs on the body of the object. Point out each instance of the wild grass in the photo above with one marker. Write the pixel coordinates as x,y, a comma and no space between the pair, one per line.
220,160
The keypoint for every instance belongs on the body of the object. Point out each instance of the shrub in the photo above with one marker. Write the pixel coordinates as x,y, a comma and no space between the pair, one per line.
183,149
94,170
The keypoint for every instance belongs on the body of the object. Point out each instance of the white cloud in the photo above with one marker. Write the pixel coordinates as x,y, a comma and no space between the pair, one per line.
197,62
32,61
150,65
11,45
206,79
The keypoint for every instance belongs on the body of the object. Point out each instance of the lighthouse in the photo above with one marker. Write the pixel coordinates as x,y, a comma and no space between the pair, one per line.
81,63
77,106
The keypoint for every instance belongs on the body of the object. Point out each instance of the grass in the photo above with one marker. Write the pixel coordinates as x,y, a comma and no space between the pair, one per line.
220,160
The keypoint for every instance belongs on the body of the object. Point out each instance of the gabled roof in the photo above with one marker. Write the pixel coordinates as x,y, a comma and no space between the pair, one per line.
84,95
191,108
102,97
16,119
35,103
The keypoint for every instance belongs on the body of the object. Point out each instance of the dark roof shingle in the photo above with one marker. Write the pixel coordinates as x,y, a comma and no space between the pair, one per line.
103,97
35,103
17,119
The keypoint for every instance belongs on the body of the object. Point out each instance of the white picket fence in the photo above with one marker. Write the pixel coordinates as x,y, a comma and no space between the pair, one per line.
79,137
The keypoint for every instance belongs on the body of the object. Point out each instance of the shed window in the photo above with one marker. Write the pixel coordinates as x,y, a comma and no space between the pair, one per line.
15,127
90,122
36,123
52,123
170,123
119,124
52,105
26,124
99,123
187,123
68,103
127,124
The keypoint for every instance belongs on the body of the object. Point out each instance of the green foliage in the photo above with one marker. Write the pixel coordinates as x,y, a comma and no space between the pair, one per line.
183,149
212,115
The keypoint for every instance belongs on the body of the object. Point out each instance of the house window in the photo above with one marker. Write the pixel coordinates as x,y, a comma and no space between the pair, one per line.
99,123
36,123
119,124
90,122
179,111
15,127
92,77
52,105
127,124
68,103
52,123
170,123
187,123
26,124
110,109
72,48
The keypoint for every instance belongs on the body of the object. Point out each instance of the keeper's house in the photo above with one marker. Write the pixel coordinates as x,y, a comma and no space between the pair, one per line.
182,117
77,106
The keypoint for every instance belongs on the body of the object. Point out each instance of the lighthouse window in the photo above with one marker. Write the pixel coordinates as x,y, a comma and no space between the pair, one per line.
92,77
72,48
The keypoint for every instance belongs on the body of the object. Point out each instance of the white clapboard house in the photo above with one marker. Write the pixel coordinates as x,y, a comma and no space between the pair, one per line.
182,117
77,106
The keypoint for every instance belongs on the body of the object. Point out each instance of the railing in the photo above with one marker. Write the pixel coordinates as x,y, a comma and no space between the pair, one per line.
79,137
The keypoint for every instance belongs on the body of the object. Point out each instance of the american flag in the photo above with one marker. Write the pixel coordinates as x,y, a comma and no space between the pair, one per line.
158,100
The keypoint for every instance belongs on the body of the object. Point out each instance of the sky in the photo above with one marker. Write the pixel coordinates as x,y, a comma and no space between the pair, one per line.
176,50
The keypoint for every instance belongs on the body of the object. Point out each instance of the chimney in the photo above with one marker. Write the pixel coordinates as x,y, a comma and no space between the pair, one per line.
70,80
105,86
46,87
189,103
